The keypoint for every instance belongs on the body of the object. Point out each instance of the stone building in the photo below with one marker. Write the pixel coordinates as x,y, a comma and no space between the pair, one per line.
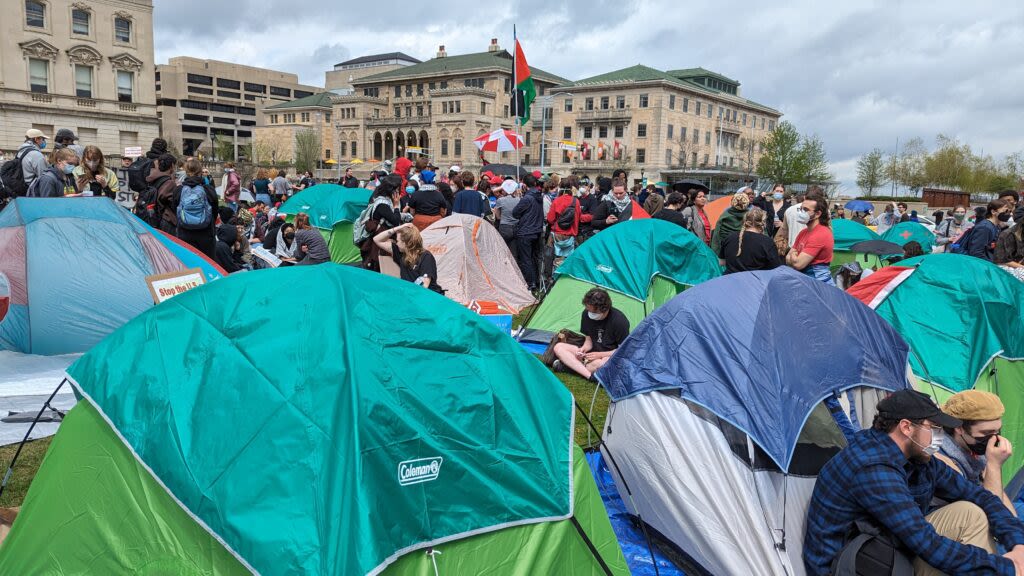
658,125
344,73
87,66
203,102
276,140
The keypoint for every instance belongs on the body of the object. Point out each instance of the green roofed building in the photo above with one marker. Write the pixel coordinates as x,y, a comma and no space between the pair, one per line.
210,442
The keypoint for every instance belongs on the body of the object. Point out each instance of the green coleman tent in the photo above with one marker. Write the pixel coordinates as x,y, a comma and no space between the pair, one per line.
385,436
846,233
332,209
910,232
642,264
962,317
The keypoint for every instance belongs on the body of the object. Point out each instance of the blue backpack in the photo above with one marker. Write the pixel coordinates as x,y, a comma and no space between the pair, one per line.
194,210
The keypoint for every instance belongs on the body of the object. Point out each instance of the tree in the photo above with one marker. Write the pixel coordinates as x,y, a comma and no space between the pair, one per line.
871,172
307,149
224,149
813,162
780,161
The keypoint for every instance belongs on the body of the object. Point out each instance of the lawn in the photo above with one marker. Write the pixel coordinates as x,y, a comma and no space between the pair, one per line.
25,469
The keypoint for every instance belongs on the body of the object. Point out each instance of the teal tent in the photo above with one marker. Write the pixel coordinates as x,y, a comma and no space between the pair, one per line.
332,209
846,233
361,426
642,264
910,232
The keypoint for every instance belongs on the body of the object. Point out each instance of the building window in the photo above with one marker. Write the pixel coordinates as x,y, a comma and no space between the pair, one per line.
80,22
433,85
458,146
398,111
408,111
528,138
39,75
670,128
686,104
226,94
83,81
398,91
588,132
619,131
641,155
620,102
668,157
643,102
327,116
419,89
671,101
444,84
444,147
125,81
567,132
588,104
35,14
705,159
408,90
604,102
231,109
122,30
707,137
250,87
275,91
744,118
641,130
720,109
682,134
200,90
419,110
225,83
353,148
199,79
602,132
771,125
693,159
696,136
568,105
305,116
709,107
506,112
273,118
483,107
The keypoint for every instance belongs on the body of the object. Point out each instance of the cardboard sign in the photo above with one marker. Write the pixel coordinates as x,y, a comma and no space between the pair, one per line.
165,286
132,151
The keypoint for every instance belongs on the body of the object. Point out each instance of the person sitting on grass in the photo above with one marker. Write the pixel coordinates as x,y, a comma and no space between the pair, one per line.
604,327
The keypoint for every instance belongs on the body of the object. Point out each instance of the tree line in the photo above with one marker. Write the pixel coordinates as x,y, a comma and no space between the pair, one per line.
951,165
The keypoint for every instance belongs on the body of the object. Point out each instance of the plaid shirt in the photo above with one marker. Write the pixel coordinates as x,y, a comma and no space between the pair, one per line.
872,479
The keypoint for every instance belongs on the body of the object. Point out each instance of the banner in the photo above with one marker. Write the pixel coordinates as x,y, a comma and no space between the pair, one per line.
166,286
132,151
567,145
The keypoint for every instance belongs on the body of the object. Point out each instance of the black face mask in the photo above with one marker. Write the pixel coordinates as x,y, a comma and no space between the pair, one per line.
1004,217
980,445
289,236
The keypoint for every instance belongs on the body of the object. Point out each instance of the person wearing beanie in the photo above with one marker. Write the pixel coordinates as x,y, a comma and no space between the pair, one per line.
975,449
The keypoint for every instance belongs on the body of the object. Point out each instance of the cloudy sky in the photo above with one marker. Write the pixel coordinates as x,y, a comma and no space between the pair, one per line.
859,74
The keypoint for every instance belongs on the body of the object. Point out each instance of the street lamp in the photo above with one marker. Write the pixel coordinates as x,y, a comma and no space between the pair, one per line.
547,98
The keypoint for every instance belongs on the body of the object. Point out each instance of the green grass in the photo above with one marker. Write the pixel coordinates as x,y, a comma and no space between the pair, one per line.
583,391
24,470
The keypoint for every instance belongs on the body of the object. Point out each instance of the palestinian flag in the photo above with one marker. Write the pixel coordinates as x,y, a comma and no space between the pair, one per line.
524,84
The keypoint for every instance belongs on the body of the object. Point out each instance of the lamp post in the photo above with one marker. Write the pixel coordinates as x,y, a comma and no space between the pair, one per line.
547,98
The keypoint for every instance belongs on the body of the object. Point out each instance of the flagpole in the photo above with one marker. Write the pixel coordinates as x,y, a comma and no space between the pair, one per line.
515,98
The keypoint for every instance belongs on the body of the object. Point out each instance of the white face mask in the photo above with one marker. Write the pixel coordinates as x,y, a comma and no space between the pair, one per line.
932,447
595,315
92,164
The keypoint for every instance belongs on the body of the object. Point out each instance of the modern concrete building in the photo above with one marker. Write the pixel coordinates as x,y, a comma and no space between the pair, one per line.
344,73
658,125
209,107
87,66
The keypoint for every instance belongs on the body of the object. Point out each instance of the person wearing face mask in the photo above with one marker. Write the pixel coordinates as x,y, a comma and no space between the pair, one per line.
383,213
616,207
93,177
981,241
812,251
57,180
776,210
887,478
605,329
950,230
30,154
286,248
975,449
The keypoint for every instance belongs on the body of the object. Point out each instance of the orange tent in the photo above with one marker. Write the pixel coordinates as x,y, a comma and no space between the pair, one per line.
716,208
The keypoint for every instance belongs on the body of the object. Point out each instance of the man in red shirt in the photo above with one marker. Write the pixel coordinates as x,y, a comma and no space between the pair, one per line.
812,250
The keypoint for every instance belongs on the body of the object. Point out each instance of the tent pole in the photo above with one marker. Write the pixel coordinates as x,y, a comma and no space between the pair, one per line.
590,545
10,469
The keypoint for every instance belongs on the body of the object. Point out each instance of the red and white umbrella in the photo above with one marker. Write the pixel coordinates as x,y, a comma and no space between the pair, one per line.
500,140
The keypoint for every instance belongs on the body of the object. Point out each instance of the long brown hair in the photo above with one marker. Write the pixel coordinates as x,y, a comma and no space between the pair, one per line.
93,152
754,218
302,221
410,236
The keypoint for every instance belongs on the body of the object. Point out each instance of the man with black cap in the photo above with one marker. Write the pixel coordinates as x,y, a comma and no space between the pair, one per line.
887,478
65,138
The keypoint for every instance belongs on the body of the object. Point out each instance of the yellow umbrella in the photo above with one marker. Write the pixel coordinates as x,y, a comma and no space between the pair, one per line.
331,161
356,161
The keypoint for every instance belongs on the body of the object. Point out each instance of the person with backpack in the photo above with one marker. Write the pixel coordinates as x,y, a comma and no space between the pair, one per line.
57,181
886,478
382,213
139,169
980,241
160,191
232,185
29,163
950,229
564,221
193,203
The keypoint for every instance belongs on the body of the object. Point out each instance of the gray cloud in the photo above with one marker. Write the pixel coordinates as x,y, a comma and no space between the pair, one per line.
857,74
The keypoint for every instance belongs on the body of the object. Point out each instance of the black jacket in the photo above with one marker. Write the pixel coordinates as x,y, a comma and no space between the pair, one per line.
605,209
349,181
530,214
673,216
224,254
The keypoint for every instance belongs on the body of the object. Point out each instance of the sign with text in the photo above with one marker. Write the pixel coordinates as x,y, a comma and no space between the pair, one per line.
165,286
132,151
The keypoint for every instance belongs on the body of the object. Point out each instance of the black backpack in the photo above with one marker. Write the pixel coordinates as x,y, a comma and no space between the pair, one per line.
137,173
147,207
872,551
12,176
568,216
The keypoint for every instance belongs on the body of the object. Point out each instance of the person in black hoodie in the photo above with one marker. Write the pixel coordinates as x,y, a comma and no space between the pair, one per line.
227,237
201,239
529,213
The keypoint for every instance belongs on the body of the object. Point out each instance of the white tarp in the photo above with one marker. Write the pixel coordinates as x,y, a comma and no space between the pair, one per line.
26,381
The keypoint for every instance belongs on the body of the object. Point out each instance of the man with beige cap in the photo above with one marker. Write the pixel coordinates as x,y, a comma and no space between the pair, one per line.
33,161
975,449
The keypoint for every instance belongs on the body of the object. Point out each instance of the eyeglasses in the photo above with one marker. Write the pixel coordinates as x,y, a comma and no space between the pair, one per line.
934,427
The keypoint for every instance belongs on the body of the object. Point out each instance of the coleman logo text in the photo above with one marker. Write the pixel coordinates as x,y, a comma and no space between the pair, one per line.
419,470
